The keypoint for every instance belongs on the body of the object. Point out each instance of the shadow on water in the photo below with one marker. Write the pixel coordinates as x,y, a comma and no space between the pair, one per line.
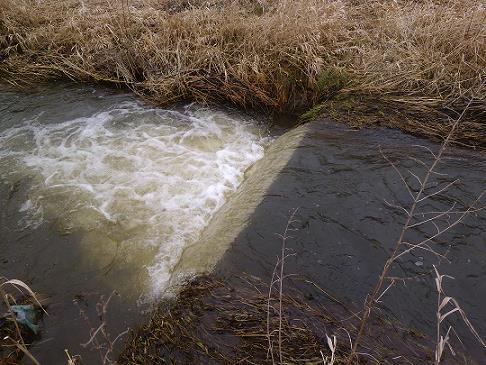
335,176
56,266
52,259
338,180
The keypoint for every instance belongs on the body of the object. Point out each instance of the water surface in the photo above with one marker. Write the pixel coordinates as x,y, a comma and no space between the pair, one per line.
339,181
101,192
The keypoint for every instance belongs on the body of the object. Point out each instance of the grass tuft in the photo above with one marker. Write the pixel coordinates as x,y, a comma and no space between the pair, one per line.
286,55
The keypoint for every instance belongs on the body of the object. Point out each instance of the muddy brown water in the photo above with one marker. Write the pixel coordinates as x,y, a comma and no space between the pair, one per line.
100,192
76,230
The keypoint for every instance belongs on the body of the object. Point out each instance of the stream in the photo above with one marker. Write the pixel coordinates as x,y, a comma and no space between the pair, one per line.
100,192
83,209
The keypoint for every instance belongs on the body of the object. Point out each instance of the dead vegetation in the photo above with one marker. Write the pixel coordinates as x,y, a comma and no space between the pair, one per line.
100,338
212,322
421,188
18,328
272,55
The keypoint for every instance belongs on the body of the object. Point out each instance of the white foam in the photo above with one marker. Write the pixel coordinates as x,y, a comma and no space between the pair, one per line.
143,176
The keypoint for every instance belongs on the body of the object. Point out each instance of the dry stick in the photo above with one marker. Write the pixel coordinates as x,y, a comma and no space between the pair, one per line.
23,348
284,237
280,293
375,294
105,345
269,336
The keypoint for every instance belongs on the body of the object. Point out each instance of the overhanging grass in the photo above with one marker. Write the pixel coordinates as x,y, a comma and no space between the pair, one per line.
271,55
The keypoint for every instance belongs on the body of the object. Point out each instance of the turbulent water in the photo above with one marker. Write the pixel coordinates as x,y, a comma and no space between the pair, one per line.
147,179
101,192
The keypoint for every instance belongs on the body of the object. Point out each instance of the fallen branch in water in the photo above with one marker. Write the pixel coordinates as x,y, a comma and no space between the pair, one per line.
100,339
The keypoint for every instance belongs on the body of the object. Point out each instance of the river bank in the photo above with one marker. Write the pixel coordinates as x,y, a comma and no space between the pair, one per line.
418,64
215,322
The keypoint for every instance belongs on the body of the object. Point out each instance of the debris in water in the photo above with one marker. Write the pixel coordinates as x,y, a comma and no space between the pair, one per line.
212,322
26,315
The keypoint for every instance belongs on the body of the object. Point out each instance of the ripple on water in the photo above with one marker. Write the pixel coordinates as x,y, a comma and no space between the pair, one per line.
145,178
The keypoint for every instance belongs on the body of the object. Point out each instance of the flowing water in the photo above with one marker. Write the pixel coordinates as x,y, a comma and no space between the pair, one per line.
343,232
100,192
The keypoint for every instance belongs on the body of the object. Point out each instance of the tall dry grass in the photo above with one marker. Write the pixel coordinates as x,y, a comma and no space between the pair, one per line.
275,55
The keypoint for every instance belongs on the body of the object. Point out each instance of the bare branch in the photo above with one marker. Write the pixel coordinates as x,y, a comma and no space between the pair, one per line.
417,160
392,283
399,174
371,299
438,191
416,177
397,207
425,148
93,336
440,231
439,215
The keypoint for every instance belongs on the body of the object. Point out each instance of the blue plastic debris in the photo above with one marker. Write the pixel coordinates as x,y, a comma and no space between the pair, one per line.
26,314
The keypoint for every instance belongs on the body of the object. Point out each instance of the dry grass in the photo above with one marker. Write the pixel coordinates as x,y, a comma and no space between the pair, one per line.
272,55
16,338
216,323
